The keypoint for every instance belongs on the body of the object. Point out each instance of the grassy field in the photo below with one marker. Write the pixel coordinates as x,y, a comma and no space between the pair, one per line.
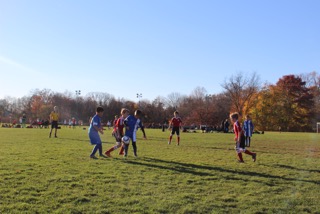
42,175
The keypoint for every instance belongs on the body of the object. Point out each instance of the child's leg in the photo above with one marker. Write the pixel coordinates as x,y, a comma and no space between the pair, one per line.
249,141
118,144
239,153
134,145
178,138
121,150
248,152
94,150
170,138
254,155
246,141
100,149
126,147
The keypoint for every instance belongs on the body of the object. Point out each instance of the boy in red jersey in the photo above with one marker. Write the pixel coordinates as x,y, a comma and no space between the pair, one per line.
118,132
240,139
175,126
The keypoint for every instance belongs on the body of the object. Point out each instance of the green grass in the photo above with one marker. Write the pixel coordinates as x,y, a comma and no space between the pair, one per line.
42,175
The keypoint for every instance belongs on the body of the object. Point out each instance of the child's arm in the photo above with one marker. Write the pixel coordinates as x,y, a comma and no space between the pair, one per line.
98,129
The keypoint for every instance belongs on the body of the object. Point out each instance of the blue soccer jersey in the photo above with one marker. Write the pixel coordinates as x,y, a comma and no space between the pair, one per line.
248,128
132,125
93,133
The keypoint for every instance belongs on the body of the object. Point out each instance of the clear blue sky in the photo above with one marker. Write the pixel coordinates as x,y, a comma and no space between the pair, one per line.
153,47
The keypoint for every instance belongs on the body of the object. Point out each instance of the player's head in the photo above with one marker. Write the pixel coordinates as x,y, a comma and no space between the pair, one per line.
137,113
55,108
100,111
124,112
234,116
116,116
176,113
248,117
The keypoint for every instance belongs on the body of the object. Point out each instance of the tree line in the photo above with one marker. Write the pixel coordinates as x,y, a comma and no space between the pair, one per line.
292,104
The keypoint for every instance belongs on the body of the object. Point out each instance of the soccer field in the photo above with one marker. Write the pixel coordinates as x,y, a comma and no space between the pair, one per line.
55,175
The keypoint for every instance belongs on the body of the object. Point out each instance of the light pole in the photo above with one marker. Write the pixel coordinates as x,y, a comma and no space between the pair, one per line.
78,93
139,95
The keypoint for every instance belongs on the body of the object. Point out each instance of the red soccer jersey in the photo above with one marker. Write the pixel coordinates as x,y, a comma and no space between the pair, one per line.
120,125
237,130
176,121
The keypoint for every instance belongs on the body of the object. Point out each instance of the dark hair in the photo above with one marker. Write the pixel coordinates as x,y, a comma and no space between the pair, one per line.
138,112
176,112
99,109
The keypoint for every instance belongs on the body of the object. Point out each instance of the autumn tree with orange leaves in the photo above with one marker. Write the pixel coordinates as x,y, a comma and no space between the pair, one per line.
287,105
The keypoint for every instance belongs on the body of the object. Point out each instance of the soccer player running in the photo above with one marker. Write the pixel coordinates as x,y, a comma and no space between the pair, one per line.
54,117
118,132
175,126
240,139
132,124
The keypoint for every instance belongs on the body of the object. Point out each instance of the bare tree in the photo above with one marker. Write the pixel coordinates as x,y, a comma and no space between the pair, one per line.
241,88
174,100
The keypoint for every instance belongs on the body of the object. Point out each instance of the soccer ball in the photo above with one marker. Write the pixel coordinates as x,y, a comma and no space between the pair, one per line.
126,140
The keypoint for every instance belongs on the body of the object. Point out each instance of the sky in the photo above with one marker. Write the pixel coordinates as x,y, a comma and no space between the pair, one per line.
152,47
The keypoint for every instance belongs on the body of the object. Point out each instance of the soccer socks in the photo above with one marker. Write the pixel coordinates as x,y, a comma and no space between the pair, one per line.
126,147
121,150
248,152
240,159
170,138
178,140
134,145
110,150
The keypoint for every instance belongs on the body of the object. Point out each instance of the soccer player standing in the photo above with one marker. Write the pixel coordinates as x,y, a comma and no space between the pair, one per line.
175,126
248,130
54,117
94,129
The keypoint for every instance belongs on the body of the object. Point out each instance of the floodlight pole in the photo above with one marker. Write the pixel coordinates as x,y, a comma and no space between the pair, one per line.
139,95
78,93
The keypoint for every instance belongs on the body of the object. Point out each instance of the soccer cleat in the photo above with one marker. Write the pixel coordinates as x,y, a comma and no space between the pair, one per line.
93,157
240,161
169,142
254,157
135,154
108,154
102,155
56,136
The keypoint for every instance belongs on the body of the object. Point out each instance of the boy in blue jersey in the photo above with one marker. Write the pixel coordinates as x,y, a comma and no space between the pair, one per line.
132,124
94,129
248,130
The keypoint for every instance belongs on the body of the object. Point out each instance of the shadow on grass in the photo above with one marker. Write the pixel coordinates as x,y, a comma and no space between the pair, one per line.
194,169
295,168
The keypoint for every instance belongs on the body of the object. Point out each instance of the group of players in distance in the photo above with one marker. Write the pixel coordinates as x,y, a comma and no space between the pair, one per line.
132,123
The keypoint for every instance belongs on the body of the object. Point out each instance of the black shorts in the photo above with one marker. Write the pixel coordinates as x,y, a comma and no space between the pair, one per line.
118,138
54,124
242,141
175,129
